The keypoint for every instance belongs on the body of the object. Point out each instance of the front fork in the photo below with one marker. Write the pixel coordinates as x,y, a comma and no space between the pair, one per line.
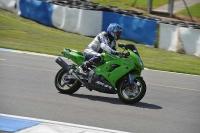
131,84
131,79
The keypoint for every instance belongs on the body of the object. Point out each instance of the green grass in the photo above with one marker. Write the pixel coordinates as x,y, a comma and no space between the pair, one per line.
127,4
194,11
22,34
19,33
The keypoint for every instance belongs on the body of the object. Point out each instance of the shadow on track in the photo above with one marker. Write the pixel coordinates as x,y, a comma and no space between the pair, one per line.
147,105
115,101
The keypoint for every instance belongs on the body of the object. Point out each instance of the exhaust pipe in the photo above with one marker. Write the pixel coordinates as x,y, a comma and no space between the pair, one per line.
62,64
67,68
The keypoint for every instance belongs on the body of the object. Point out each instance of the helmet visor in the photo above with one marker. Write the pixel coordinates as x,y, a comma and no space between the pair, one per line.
118,33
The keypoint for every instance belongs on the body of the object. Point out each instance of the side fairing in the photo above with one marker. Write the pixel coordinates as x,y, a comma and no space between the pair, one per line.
137,61
115,69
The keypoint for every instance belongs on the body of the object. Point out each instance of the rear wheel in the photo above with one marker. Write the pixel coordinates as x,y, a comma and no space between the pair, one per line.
65,83
131,94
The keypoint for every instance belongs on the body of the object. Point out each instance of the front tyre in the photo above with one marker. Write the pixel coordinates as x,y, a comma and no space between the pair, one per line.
131,94
65,83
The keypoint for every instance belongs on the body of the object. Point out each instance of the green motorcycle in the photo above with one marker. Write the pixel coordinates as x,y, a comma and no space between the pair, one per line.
115,75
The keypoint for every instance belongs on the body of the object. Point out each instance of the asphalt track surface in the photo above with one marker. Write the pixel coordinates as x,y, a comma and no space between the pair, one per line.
171,103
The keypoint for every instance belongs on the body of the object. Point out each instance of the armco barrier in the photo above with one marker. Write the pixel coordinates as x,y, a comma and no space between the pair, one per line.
90,23
168,37
190,39
79,21
87,22
10,5
179,39
38,11
198,48
135,29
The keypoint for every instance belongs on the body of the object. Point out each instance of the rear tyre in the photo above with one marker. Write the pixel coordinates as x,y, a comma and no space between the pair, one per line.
65,84
131,94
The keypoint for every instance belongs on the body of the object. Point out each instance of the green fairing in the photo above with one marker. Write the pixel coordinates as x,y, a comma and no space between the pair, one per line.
125,65
76,56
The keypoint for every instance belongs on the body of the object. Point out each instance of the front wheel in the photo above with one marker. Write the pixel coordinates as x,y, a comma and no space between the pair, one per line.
131,94
65,83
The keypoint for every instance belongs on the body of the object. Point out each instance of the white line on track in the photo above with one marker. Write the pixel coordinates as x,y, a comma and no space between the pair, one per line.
64,124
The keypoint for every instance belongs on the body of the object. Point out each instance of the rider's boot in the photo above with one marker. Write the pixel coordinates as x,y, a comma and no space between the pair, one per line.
83,67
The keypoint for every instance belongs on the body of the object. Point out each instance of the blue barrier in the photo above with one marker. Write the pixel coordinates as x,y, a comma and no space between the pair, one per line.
38,11
135,29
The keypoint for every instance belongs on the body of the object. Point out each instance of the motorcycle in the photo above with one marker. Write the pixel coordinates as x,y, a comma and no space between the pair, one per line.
116,74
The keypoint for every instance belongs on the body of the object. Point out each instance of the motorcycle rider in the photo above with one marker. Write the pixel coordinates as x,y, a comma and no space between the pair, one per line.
103,42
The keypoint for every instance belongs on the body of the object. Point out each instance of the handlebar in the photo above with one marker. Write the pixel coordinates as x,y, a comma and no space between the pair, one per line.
125,55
